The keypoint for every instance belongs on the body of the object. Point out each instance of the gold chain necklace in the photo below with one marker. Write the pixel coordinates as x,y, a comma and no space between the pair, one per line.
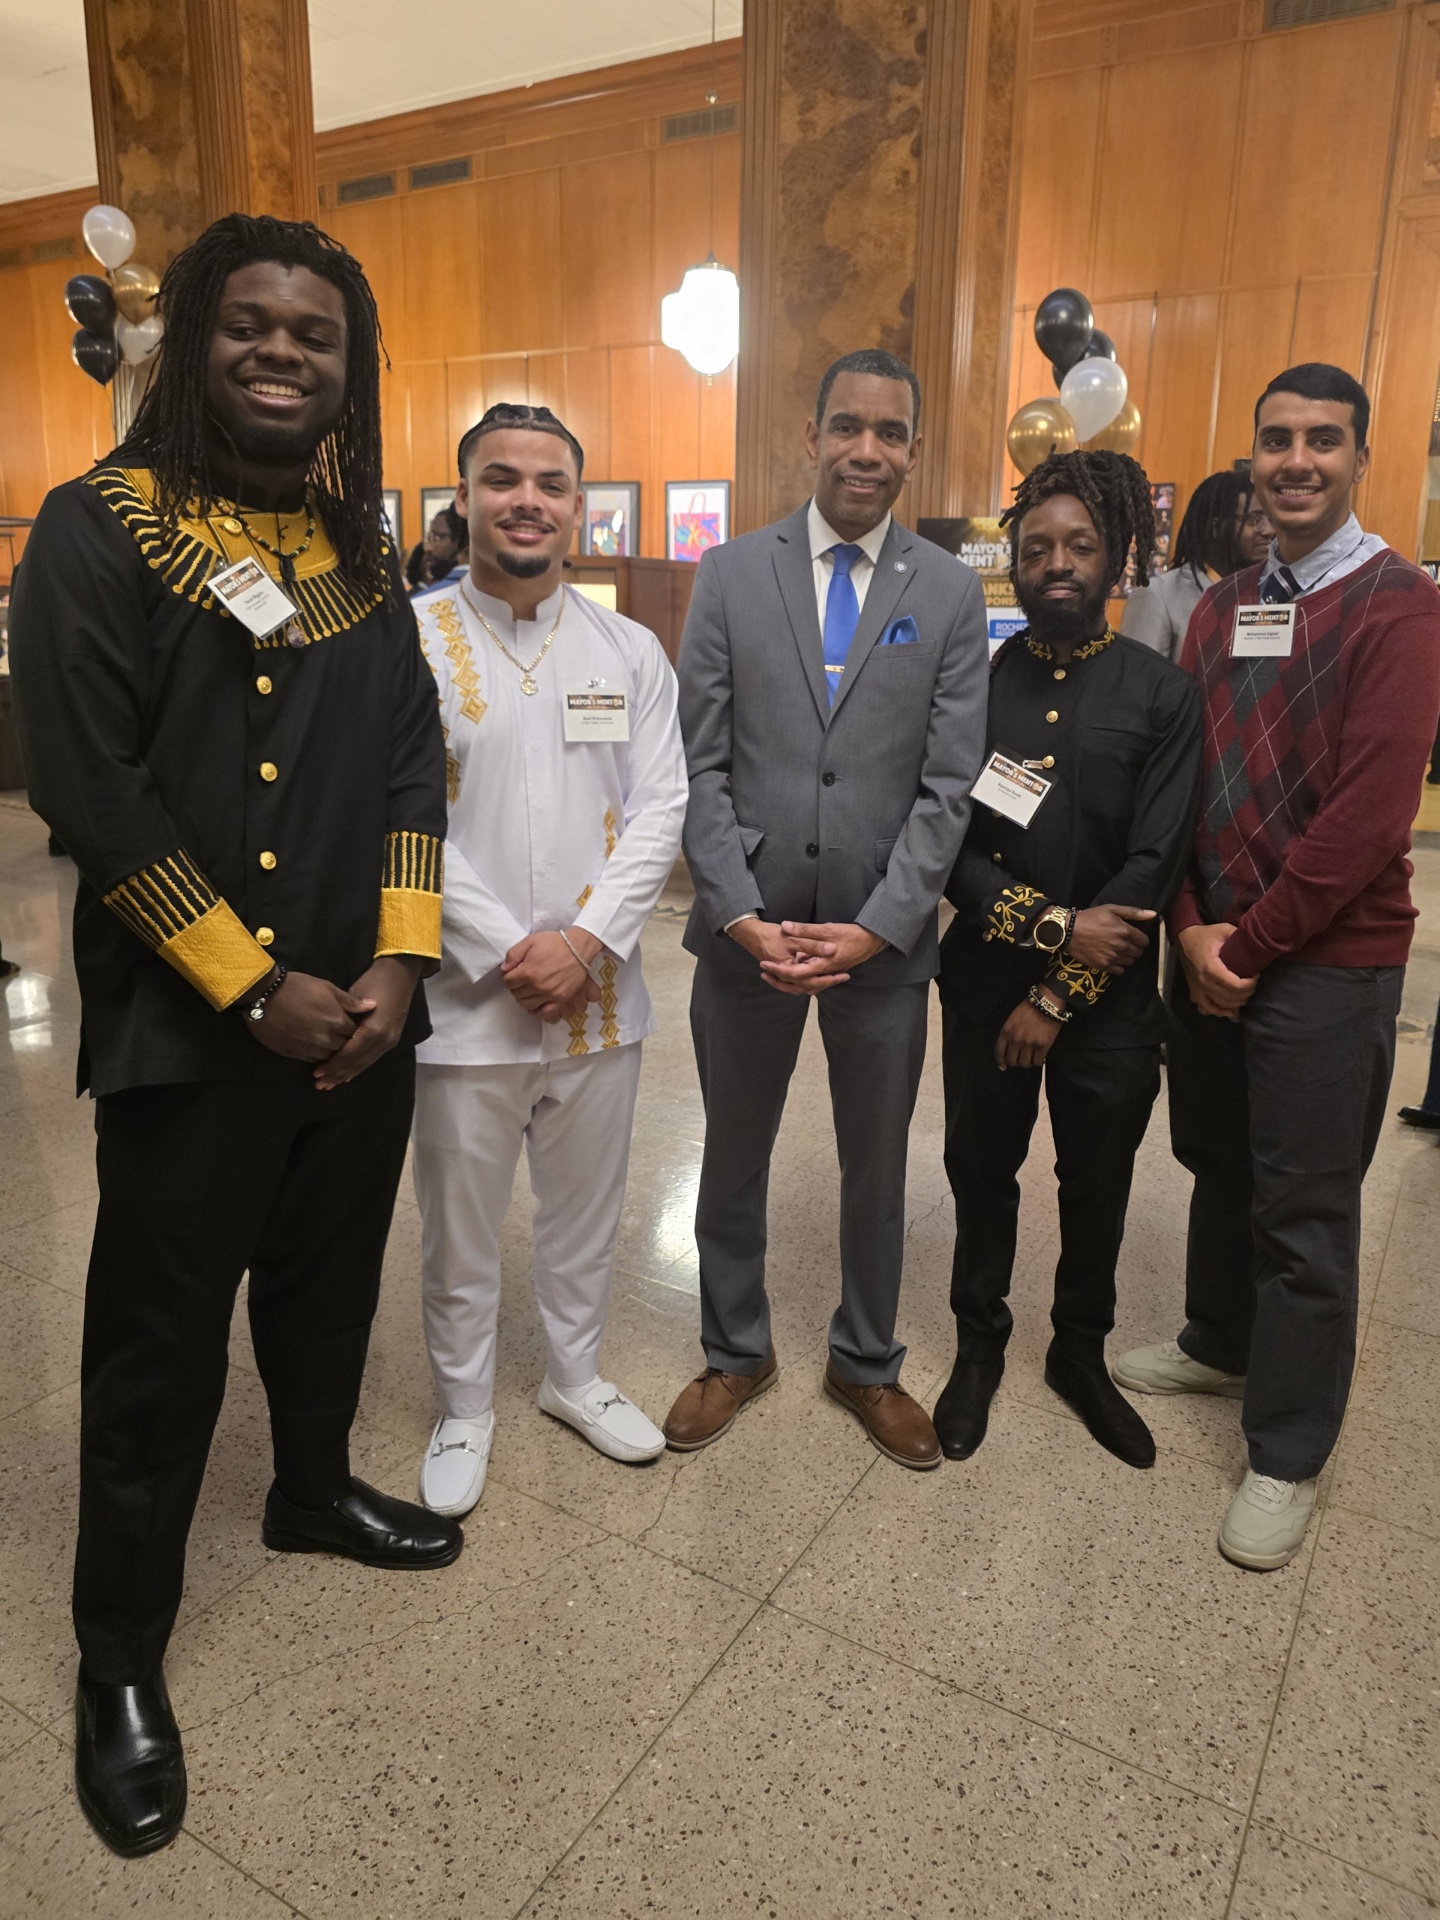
528,682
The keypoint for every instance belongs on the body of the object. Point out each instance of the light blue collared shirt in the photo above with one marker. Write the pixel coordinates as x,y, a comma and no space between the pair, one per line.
1347,549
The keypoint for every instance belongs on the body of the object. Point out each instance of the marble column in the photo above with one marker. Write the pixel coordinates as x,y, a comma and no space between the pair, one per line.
201,107
878,209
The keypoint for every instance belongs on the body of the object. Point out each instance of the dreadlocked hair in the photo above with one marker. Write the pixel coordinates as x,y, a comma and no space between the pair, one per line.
1209,535
169,435
1113,490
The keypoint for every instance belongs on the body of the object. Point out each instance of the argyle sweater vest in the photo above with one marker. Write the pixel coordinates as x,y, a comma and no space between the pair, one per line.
1312,770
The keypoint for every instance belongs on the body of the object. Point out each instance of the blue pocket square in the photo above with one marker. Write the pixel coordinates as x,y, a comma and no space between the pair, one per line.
900,633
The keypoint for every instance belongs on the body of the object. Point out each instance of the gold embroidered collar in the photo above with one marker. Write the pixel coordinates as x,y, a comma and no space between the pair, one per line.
1043,651
187,554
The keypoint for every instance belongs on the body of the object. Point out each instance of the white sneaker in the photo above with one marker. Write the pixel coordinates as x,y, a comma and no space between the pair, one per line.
1266,1523
606,1418
1169,1369
452,1474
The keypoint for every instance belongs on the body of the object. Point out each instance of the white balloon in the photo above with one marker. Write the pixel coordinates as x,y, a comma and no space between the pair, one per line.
109,234
138,339
1092,393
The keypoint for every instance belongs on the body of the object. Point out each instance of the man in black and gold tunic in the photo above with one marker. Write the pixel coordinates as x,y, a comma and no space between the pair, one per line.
1079,835
257,817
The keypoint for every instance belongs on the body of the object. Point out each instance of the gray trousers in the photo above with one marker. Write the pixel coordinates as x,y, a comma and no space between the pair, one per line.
747,1037
1277,1118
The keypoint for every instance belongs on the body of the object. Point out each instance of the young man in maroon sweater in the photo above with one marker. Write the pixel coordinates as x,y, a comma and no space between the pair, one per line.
1320,673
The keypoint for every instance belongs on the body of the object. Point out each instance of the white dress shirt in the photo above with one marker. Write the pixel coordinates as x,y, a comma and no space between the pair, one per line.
547,833
822,538
1346,550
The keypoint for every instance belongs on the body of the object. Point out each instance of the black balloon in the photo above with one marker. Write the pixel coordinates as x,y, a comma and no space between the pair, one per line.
95,354
1064,323
91,303
1101,347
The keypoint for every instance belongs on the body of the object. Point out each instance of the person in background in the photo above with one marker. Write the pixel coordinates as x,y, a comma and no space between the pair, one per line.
832,695
1050,962
442,557
1427,1115
1320,675
567,798
1223,530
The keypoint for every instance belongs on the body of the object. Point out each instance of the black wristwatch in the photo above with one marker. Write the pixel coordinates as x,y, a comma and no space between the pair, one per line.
256,1008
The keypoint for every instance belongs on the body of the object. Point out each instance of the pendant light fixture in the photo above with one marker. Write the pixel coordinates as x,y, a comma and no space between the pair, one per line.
701,321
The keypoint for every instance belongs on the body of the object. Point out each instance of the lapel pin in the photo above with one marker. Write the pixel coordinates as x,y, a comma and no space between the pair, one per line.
899,566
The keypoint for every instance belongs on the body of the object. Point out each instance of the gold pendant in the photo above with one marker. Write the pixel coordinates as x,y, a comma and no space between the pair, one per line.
528,684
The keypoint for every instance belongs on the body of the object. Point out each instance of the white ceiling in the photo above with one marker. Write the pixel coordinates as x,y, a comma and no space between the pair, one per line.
369,58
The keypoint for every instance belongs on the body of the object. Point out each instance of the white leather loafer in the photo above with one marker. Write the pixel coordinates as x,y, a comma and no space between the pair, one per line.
452,1474
1169,1369
607,1419
1266,1522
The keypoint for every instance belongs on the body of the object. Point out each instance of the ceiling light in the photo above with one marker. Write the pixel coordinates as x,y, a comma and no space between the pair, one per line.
702,320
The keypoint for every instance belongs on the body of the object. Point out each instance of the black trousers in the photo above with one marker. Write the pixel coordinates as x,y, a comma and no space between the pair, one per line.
747,1037
1277,1117
197,1184
1100,1100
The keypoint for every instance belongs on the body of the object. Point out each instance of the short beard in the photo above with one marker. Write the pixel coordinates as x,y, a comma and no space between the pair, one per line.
521,566
270,446
1058,624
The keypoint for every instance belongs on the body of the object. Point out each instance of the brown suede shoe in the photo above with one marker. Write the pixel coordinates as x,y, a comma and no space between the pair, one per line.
898,1425
708,1406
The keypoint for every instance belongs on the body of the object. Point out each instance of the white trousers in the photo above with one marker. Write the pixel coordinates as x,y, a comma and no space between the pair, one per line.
574,1118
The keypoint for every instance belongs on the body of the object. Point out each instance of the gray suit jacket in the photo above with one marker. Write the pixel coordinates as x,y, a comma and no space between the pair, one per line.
800,811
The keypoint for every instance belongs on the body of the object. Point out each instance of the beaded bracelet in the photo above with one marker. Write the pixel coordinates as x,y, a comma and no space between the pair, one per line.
1048,1007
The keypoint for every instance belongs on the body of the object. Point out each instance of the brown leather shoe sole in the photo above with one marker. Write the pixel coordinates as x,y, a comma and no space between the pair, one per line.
900,1459
764,1385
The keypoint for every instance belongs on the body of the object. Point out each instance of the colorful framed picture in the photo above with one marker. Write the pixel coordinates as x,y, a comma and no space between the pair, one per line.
394,518
610,524
697,517
432,499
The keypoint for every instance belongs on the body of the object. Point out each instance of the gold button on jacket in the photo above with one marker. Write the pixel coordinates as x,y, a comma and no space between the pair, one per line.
264,683
269,770
266,936
267,860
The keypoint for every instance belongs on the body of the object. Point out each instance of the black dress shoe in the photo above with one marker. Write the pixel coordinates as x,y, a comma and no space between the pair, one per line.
1421,1117
129,1764
962,1413
1088,1388
366,1526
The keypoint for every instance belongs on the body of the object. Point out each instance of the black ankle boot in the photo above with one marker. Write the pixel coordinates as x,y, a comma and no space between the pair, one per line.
129,1764
962,1413
1087,1387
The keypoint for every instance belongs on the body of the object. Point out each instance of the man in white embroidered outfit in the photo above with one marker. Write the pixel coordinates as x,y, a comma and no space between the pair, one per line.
567,797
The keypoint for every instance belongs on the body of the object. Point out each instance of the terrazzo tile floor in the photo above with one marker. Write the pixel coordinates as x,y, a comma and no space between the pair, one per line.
782,1677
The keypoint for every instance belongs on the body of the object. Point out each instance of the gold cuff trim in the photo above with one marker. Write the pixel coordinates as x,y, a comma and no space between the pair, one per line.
1077,980
1010,913
409,923
414,863
218,957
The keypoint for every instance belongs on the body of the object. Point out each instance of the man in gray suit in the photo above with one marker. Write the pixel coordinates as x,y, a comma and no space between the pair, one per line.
833,682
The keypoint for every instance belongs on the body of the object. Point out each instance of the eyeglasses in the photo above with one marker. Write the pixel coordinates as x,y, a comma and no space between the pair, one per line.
1257,523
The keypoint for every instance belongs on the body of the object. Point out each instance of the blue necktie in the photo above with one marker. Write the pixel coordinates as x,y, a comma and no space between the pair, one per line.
842,616
1280,587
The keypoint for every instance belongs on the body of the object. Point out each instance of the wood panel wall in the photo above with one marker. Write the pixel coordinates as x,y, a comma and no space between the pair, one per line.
1233,201
539,279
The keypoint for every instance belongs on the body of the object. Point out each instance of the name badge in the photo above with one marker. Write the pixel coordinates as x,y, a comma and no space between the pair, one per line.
593,714
1010,789
1264,633
252,596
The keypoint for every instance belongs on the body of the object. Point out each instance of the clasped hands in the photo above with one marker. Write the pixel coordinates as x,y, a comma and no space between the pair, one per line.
1213,987
545,976
309,1018
1108,939
796,957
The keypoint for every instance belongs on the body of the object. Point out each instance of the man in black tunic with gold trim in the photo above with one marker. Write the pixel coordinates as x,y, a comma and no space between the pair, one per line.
1079,834
257,811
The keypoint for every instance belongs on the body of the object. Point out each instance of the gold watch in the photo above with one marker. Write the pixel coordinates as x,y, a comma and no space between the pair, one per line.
1051,931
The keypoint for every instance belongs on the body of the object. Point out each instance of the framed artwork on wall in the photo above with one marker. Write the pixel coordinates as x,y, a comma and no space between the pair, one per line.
394,519
432,499
610,524
697,517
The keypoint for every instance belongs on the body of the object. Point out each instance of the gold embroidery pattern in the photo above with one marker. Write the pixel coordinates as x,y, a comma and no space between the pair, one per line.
410,895
576,1023
414,861
1007,913
173,908
452,764
1078,980
609,1024
612,832
187,554
162,900
582,898
1042,650
462,661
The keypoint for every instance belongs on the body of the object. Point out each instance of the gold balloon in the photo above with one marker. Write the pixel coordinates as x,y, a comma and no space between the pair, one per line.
135,289
1039,428
1122,435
